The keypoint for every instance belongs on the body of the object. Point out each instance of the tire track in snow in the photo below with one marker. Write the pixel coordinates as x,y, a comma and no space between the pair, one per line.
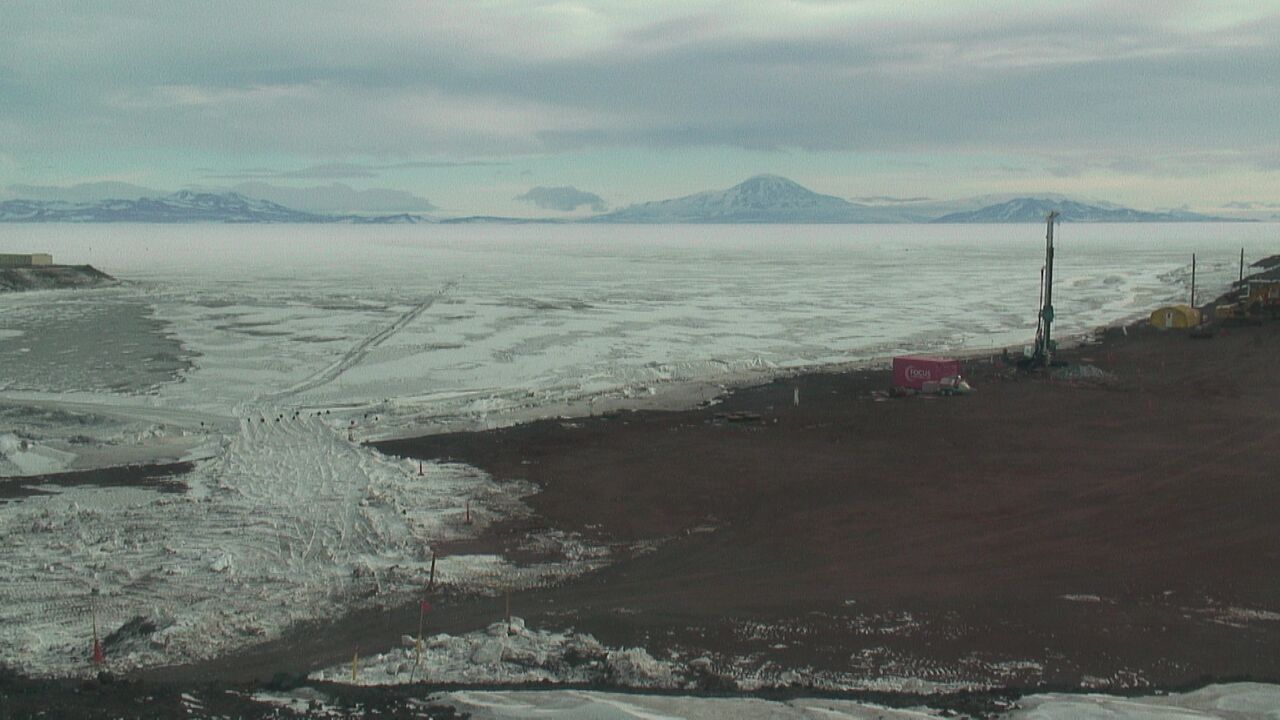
127,409
357,353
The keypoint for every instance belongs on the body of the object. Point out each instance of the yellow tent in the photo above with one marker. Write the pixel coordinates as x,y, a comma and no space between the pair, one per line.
1176,316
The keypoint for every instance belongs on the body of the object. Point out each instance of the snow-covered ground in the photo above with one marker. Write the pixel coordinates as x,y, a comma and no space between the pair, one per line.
267,353
512,653
1235,701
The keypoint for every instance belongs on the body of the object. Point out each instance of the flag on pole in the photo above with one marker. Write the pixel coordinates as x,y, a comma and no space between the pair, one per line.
98,656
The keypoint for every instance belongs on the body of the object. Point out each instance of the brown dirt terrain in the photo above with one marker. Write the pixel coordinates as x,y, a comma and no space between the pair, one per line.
159,477
941,533
1033,533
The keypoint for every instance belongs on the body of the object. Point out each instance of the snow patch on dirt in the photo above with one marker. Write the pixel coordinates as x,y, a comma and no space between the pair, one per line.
290,522
507,654
514,654
1239,617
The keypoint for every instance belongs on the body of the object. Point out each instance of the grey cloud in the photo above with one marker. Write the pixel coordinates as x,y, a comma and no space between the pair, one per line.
332,171
336,198
1065,171
1167,165
889,199
83,192
1251,205
1133,166
335,171
564,199
1267,161
1083,78
442,164
816,103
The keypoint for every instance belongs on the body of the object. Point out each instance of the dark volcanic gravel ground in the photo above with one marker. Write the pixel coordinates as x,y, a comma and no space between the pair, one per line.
1095,533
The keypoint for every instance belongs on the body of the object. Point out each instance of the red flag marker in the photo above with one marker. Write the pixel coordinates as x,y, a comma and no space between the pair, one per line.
99,657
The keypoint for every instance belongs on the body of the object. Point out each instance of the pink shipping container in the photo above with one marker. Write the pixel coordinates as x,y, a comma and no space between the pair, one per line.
913,371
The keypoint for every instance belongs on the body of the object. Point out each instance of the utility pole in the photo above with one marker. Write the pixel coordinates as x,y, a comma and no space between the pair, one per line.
1046,313
1193,280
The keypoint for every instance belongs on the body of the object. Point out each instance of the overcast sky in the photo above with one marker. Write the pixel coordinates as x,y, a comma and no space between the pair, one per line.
471,104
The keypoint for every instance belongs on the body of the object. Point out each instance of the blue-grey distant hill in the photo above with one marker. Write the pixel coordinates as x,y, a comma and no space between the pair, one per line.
184,206
1030,209
332,199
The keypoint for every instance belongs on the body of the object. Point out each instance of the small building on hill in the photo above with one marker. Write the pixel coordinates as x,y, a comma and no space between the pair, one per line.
25,259
1176,316
1260,291
1264,280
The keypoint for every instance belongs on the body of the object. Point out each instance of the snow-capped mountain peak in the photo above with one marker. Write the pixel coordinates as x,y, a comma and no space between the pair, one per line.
760,199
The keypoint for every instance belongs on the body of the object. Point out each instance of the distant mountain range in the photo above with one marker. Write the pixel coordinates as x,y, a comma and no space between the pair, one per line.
1029,209
184,206
773,199
331,199
761,199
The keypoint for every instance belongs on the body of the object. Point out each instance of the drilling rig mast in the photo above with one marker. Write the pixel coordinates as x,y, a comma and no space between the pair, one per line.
1044,345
